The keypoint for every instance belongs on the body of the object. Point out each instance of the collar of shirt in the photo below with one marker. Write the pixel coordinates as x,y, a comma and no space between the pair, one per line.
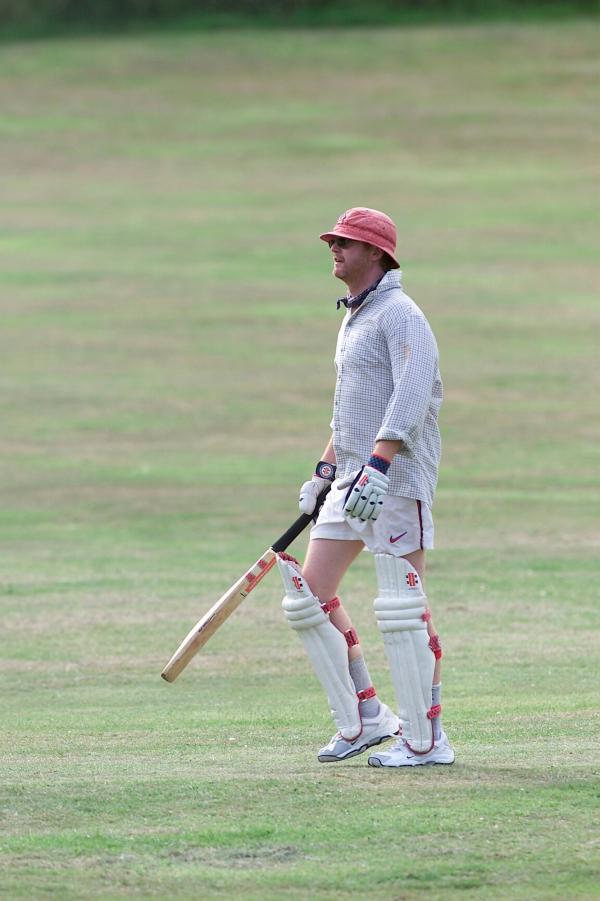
349,302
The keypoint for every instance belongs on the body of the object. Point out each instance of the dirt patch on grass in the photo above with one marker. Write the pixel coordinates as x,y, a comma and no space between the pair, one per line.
247,858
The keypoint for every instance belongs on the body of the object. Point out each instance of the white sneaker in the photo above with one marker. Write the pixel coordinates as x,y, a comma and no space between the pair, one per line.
401,755
379,728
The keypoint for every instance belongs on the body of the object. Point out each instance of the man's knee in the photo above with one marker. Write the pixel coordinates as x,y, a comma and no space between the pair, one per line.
417,561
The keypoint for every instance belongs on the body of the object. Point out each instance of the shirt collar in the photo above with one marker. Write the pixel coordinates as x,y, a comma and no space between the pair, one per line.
349,301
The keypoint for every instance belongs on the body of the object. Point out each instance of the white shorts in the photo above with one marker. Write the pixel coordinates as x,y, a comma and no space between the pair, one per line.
404,525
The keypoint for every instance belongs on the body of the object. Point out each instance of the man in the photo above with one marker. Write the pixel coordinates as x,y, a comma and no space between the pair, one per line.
382,462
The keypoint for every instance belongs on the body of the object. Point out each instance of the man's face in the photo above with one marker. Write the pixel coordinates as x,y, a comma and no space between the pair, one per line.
351,259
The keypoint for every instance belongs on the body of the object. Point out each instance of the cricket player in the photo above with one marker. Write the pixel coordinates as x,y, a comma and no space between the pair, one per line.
382,462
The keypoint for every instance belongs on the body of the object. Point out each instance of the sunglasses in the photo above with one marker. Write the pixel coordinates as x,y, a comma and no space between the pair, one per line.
341,242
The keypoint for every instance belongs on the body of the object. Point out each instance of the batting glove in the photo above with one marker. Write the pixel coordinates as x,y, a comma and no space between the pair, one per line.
310,491
366,490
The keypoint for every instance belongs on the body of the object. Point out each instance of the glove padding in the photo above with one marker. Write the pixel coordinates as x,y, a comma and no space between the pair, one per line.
366,491
309,493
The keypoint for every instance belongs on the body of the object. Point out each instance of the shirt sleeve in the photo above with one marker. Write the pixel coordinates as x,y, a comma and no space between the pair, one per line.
414,362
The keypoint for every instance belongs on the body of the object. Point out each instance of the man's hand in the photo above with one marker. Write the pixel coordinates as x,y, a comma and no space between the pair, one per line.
366,490
324,475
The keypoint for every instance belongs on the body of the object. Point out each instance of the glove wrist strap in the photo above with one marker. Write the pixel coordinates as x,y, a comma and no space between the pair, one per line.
379,463
325,470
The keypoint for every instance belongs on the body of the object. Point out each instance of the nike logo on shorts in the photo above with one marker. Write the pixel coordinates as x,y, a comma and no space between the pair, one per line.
398,537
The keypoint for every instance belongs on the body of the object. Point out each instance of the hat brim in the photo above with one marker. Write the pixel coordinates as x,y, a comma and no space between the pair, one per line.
347,233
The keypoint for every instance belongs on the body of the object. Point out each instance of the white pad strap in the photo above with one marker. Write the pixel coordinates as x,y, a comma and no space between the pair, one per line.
326,648
401,611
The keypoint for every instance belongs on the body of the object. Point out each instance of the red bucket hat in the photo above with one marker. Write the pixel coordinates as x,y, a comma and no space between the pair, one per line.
371,226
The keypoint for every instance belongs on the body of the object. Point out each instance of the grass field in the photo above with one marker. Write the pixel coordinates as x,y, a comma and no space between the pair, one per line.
167,337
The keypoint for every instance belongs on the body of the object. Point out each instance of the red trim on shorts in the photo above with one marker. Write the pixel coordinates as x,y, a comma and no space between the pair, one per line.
420,523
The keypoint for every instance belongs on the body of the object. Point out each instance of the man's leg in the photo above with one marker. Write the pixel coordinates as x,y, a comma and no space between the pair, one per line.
417,561
326,563
405,621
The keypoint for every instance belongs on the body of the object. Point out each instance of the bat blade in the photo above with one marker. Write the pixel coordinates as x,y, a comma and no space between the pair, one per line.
233,597
216,616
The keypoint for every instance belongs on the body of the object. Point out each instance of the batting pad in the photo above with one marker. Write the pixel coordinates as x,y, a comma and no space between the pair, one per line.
326,648
400,610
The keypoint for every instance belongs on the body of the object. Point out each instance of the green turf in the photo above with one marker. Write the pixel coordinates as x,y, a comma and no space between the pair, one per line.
166,345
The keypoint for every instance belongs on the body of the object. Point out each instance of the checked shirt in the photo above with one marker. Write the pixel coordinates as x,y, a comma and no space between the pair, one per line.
388,388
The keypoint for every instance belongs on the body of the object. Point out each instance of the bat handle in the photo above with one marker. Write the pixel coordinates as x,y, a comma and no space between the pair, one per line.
284,541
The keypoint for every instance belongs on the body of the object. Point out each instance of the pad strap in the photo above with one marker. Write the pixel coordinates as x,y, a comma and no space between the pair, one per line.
350,634
366,693
432,713
434,644
333,604
351,637
287,557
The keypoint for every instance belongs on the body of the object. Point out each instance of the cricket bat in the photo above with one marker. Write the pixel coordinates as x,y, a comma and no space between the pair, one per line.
214,618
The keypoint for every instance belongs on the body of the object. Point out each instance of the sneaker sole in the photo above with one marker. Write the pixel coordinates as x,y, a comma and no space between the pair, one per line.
322,758
405,766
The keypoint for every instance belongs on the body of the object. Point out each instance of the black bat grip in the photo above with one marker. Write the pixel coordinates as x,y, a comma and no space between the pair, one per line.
284,541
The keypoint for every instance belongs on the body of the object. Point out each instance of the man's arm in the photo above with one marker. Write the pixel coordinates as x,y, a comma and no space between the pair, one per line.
323,476
414,355
328,455
387,449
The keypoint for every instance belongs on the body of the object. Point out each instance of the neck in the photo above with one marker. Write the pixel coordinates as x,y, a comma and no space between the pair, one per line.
364,281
